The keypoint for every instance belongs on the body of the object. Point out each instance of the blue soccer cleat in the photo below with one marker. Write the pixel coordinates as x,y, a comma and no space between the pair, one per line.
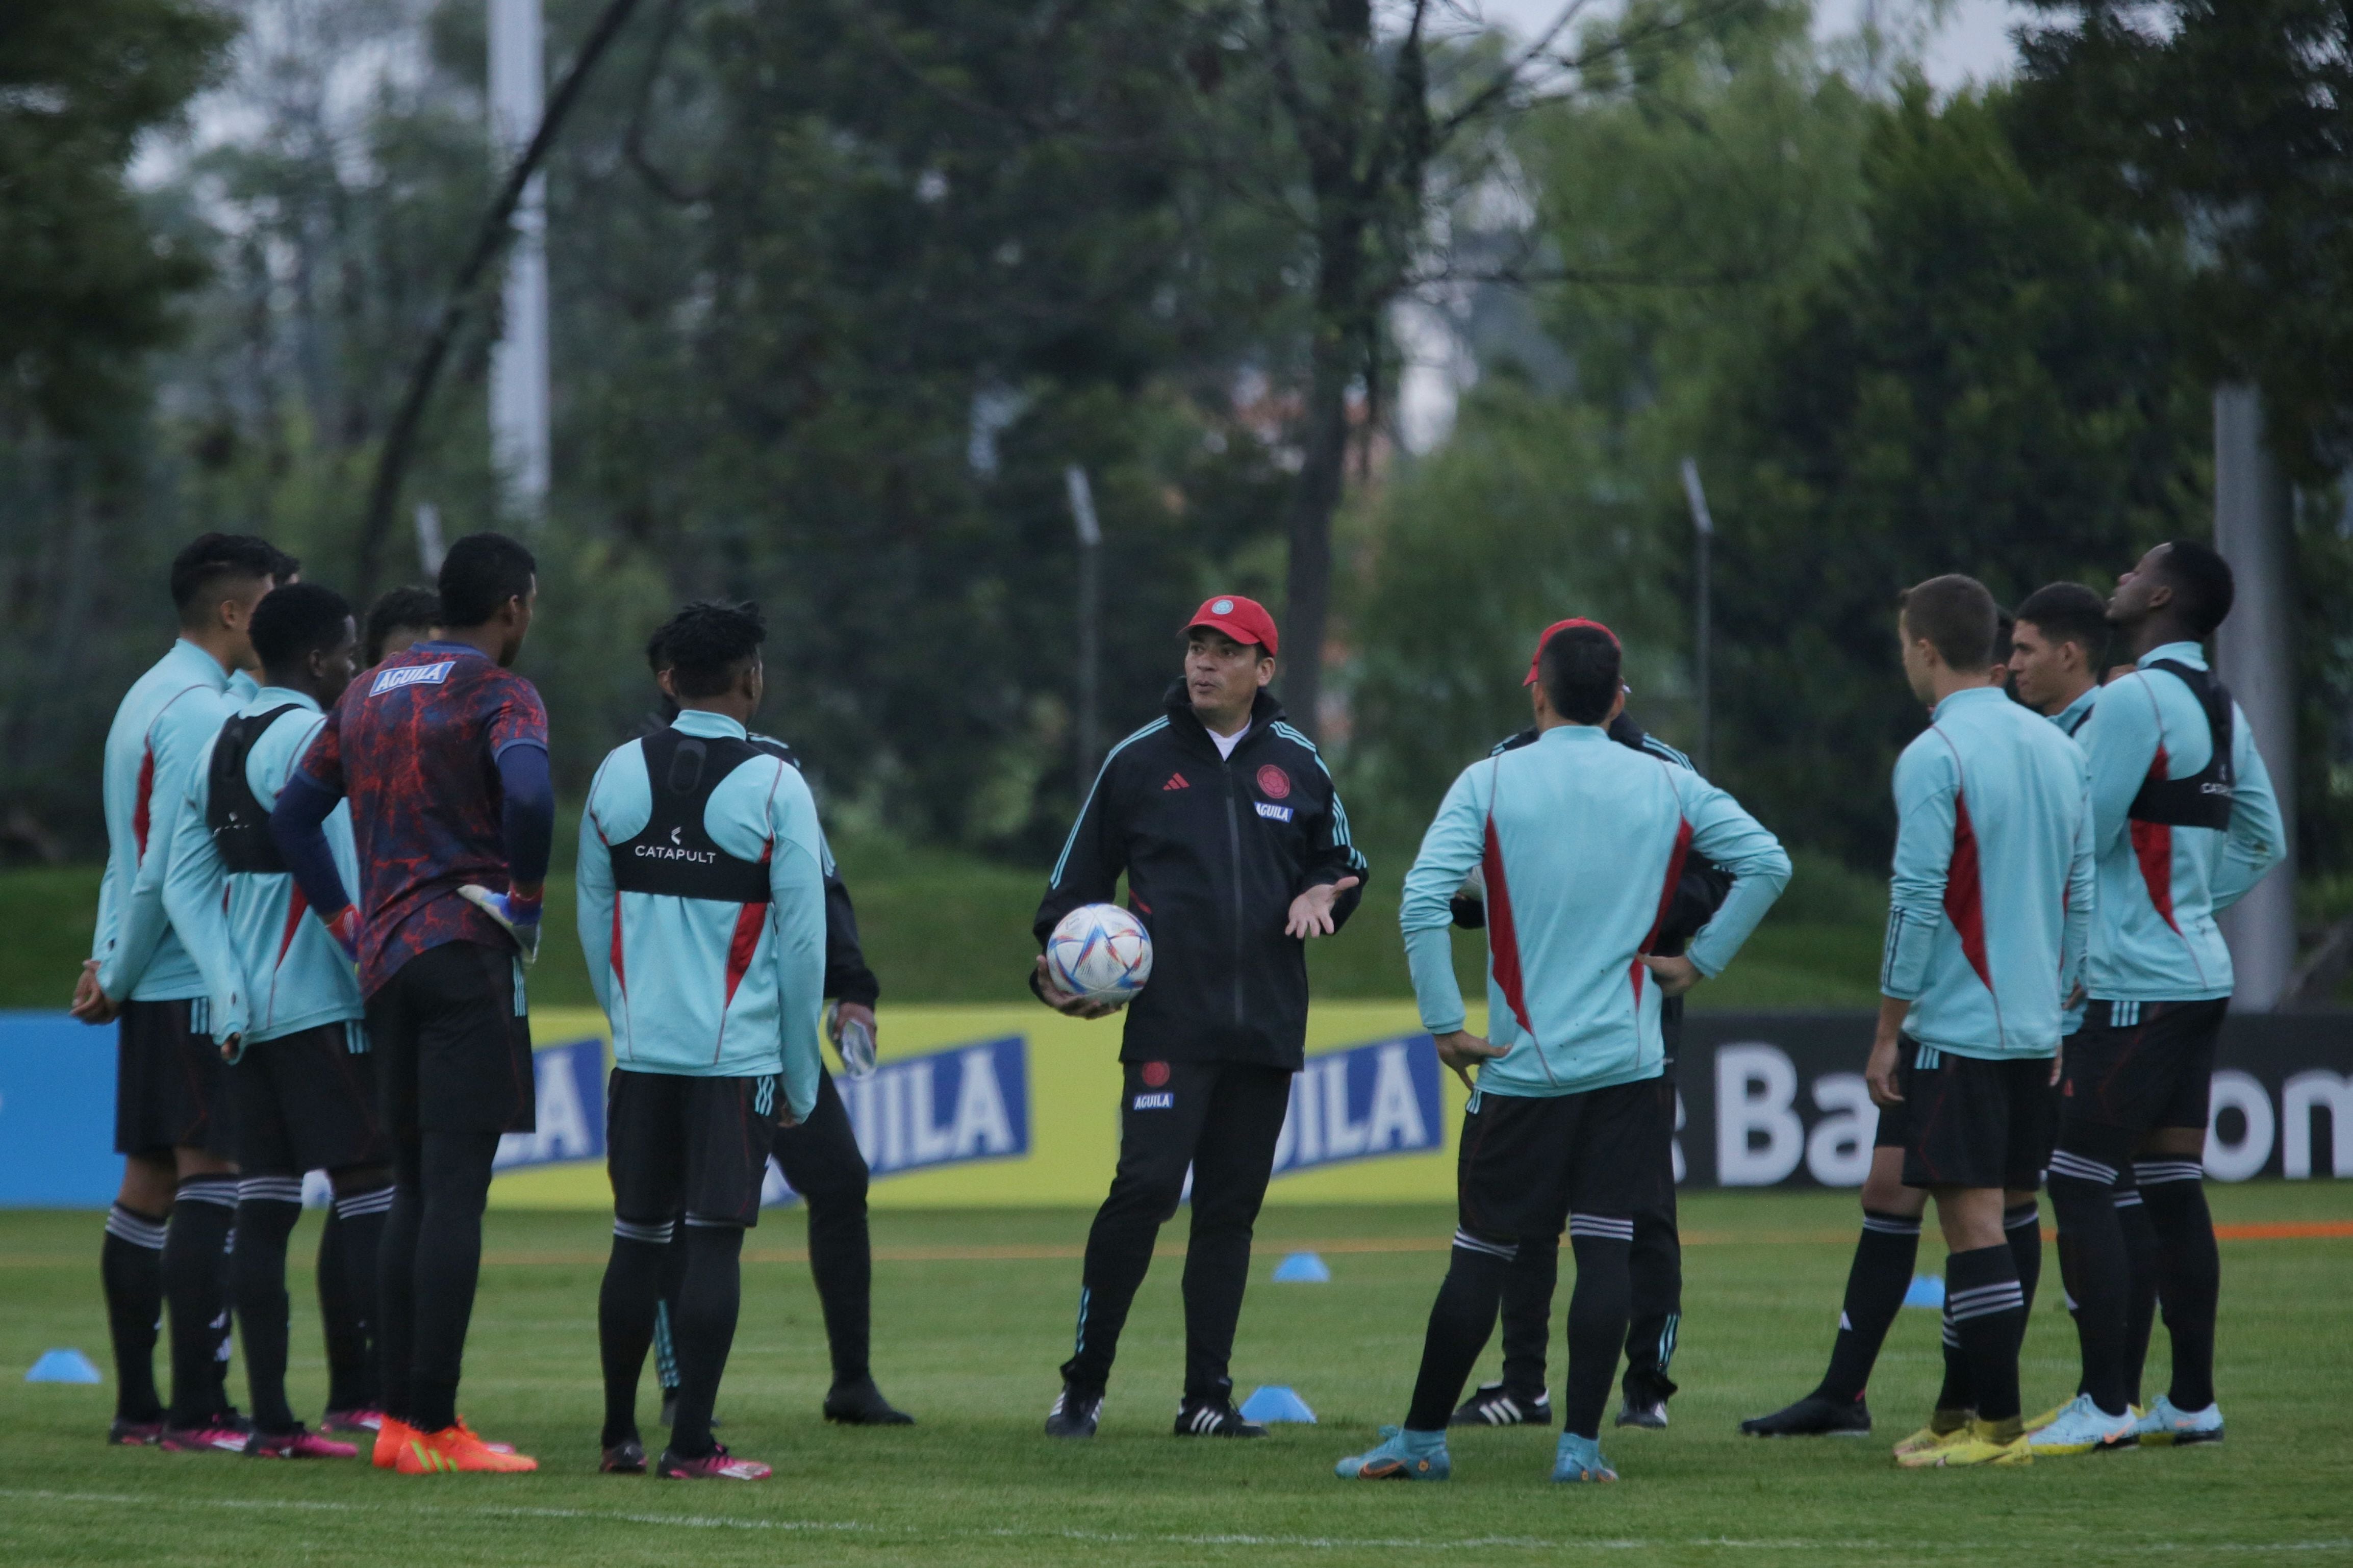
2168,1425
1402,1455
1579,1459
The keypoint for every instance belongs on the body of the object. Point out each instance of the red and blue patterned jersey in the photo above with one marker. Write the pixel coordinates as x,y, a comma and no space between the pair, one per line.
414,744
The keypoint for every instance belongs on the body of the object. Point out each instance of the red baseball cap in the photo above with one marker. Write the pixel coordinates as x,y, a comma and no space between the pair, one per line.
1535,663
1244,620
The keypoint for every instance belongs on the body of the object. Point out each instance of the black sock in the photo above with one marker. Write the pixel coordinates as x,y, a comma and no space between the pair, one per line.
2091,1247
1988,1313
1875,1282
2140,1301
707,1306
1959,1390
1460,1322
131,1268
396,1282
195,1291
626,1308
348,1306
1598,1308
1528,1287
841,1266
266,1208
455,1182
2021,1228
2188,1272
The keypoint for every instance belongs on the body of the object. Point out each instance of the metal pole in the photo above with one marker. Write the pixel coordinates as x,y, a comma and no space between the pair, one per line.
1082,513
1703,633
519,360
2255,655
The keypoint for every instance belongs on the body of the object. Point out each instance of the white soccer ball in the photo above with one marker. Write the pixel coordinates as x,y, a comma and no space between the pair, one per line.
1099,951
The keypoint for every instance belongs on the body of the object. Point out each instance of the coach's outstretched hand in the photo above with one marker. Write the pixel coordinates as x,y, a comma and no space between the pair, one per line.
1311,912
516,914
1463,1050
1675,976
1066,1002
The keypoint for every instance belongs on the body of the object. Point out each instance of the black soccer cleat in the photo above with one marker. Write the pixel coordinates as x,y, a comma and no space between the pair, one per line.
1642,1410
1494,1405
1213,1419
624,1458
1076,1411
128,1434
860,1403
1813,1417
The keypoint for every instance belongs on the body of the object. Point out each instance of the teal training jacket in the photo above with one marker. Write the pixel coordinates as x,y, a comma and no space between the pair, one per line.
2161,885
1580,841
166,718
269,965
1991,903
697,986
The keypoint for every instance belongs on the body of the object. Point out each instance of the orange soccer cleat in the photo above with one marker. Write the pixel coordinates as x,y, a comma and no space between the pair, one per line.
391,1436
456,1448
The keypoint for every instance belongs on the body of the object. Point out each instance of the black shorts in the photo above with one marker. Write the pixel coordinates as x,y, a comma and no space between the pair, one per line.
307,1101
694,1146
2135,1066
1528,1162
1975,1122
452,1044
171,1086
1894,1126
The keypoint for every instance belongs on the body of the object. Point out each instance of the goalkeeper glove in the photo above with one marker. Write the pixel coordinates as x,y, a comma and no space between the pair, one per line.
516,915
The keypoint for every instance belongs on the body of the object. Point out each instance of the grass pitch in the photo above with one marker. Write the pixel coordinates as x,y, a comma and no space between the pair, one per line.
973,1311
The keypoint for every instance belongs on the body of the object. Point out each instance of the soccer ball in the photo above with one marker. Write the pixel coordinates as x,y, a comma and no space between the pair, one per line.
1099,951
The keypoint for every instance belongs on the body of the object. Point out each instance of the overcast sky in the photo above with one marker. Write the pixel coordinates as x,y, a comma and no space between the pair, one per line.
1973,44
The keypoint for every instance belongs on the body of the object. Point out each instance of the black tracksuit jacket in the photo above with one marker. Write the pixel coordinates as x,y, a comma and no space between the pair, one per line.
1215,849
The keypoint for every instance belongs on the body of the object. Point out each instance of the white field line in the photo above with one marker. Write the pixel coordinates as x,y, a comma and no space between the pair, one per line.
1323,1542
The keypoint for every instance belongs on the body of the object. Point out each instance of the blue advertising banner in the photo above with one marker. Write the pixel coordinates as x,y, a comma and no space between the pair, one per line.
570,1085
954,1107
56,1113
1363,1103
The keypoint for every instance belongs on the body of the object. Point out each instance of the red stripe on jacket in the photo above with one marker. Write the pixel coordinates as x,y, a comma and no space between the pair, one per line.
1965,891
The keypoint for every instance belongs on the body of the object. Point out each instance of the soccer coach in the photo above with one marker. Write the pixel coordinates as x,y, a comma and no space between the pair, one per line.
1237,850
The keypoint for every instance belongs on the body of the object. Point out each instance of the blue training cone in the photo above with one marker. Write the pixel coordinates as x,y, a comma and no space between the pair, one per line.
1277,1402
64,1366
1302,1268
1927,1290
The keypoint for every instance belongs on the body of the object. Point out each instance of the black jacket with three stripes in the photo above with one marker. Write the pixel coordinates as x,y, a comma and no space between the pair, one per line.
1214,850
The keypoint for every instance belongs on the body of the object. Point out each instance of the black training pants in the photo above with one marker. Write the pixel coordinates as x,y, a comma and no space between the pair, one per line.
1220,1119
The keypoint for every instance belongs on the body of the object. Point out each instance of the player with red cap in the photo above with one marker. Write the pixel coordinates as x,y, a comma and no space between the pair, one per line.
1236,850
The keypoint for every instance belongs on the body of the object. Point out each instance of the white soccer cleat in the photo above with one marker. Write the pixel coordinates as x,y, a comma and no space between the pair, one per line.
2166,1425
2082,1427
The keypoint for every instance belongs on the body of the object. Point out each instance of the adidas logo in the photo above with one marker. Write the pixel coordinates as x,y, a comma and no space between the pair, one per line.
1175,781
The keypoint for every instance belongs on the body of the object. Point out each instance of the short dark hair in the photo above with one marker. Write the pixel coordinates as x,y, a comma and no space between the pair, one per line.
2005,636
1956,616
2202,583
706,643
213,559
1581,669
2069,612
297,620
483,571
397,607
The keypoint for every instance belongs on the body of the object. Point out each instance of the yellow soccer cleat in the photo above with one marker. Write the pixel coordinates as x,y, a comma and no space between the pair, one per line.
1934,1435
1982,1443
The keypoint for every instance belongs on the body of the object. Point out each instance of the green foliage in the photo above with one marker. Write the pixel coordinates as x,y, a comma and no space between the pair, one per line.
1994,383
87,281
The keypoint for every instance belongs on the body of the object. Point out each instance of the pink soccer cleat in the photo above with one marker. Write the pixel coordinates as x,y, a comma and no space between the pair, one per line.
718,1465
300,1444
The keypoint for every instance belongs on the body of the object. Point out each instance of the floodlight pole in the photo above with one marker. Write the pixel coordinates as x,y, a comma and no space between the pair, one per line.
1703,527
1082,513
519,360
